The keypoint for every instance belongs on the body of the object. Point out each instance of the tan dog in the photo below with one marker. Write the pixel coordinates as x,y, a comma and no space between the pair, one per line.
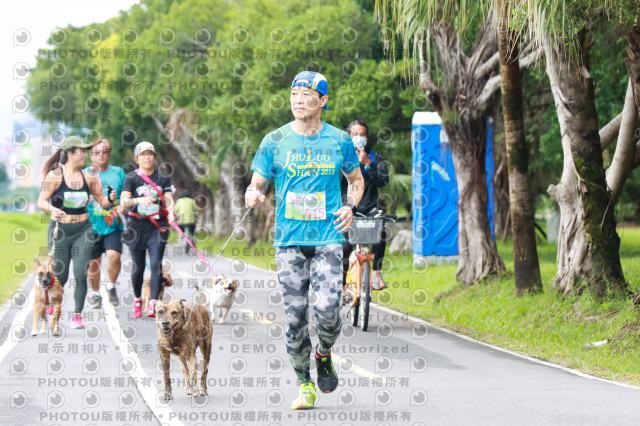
220,296
175,338
167,281
48,291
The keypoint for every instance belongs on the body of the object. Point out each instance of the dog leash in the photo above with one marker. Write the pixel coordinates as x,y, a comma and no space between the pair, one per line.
182,234
51,253
210,266
53,243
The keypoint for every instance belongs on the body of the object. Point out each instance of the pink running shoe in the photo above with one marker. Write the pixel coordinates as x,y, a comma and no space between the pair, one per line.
50,310
150,312
76,321
136,308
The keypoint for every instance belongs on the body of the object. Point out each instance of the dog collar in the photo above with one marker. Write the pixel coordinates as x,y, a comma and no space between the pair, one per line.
53,280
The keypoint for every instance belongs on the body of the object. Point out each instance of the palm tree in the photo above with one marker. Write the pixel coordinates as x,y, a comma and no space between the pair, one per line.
525,255
588,243
460,81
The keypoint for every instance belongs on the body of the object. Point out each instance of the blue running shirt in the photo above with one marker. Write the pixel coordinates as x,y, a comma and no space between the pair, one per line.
306,174
114,177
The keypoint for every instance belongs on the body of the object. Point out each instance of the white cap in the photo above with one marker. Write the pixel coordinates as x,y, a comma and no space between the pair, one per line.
142,147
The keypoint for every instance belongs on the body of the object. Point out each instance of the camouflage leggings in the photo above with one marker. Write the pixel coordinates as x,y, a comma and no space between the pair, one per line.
321,266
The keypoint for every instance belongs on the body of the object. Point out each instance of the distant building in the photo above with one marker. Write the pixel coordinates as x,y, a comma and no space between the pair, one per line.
26,152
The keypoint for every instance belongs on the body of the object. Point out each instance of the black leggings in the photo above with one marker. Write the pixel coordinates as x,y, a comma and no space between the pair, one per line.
156,251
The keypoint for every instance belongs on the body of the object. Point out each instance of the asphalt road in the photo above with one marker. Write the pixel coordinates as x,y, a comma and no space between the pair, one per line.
401,372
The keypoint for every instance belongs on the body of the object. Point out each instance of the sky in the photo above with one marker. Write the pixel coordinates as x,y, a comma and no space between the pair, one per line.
25,26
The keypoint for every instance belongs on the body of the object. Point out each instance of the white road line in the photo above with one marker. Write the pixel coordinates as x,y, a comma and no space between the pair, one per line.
150,393
19,319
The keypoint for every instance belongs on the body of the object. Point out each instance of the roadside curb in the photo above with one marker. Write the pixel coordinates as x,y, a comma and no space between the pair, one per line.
501,349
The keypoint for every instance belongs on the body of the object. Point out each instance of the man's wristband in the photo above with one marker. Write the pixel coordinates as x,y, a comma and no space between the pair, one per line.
351,206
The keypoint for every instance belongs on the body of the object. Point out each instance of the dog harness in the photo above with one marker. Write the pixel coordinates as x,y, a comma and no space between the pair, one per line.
159,213
46,291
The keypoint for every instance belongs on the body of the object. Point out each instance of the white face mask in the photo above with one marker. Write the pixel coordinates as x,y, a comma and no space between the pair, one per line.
359,141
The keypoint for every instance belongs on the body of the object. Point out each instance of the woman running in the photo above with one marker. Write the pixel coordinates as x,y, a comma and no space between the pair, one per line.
148,191
65,192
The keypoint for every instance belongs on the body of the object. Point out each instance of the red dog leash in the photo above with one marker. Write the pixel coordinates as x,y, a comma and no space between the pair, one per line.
177,228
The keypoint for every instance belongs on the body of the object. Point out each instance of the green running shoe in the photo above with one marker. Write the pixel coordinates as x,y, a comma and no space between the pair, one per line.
306,397
327,377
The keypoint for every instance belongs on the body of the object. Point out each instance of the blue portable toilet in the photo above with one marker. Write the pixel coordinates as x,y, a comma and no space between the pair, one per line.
435,190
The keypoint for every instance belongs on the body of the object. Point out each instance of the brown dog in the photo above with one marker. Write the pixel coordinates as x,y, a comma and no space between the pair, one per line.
167,281
175,338
48,290
220,296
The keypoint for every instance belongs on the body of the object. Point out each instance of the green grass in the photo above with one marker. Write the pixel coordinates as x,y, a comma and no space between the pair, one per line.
24,236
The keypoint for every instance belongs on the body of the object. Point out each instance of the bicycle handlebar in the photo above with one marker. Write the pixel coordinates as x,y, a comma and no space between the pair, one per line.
381,214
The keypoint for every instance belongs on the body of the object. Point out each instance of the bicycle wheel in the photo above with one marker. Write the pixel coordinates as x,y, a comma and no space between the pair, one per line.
365,297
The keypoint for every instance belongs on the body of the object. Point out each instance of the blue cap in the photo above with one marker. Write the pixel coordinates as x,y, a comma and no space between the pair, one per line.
313,80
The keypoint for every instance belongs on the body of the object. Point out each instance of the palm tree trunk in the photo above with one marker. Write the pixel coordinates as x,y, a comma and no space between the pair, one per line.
525,254
478,255
223,199
588,243
633,63
463,103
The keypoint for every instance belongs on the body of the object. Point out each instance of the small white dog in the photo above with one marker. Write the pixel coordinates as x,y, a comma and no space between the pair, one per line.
220,297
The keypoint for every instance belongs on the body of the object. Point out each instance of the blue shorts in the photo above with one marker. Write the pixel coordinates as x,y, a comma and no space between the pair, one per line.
103,243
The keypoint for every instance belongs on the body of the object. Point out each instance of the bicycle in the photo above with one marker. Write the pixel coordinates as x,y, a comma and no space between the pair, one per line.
364,231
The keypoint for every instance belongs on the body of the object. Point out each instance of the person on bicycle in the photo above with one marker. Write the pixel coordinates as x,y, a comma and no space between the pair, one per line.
305,158
186,209
106,224
148,191
376,175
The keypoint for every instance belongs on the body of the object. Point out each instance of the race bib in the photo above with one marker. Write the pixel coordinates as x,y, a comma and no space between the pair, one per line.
148,210
310,206
75,199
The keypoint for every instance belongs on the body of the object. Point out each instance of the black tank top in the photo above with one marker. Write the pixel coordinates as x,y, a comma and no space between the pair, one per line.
71,201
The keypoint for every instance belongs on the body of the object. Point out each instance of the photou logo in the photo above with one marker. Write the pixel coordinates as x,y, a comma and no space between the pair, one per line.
18,400
55,366
21,37
237,365
55,399
275,398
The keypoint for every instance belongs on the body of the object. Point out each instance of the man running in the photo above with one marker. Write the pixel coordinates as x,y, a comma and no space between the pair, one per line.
305,158
106,224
